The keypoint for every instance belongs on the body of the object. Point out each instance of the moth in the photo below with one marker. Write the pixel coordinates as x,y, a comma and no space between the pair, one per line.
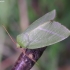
43,32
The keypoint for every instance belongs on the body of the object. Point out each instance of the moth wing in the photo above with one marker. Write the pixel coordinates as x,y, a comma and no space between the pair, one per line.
22,39
47,34
47,17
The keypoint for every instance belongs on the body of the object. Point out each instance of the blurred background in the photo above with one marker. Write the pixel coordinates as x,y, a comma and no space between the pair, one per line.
17,15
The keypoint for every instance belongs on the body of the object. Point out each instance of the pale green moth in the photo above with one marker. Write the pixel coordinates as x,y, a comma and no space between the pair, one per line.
43,32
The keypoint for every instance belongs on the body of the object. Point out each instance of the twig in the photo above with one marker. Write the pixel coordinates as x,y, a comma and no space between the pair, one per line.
24,62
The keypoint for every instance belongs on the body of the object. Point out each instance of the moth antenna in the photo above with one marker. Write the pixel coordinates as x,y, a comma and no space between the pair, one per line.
9,34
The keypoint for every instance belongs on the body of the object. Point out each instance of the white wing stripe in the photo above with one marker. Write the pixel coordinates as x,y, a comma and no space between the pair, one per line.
51,32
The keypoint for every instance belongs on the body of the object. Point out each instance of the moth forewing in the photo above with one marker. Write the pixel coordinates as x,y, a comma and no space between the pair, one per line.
38,27
47,17
43,32
47,34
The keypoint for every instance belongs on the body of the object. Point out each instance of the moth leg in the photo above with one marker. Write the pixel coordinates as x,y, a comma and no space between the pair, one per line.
23,50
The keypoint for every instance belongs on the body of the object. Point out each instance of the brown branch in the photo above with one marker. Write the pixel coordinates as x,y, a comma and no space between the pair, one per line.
24,62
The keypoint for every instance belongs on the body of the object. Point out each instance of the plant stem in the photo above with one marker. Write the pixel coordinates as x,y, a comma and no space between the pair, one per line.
24,62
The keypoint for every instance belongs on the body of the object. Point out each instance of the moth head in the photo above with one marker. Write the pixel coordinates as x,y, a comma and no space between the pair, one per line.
22,40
